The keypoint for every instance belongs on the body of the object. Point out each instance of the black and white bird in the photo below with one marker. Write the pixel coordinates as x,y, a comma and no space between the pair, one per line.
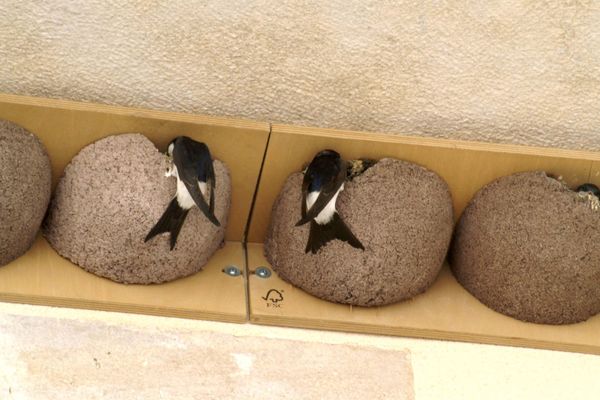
323,181
590,188
192,165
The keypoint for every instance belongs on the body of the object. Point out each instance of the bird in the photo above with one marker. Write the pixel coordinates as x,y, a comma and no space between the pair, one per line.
323,181
590,188
358,167
192,165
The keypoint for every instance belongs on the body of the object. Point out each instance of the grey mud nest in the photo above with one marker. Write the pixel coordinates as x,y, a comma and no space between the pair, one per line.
401,212
25,185
110,196
527,246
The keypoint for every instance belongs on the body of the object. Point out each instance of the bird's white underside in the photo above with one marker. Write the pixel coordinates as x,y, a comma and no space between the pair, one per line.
184,199
327,212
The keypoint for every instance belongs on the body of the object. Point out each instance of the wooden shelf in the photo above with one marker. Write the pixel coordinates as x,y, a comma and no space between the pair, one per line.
446,310
41,276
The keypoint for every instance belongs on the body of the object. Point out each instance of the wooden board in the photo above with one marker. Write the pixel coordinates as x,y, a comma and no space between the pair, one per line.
446,310
42,277
65,127
595,172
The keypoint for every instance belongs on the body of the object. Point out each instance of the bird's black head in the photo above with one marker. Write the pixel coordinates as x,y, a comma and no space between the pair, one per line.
324,161
590,188
184,142
323,168
327,154
171,146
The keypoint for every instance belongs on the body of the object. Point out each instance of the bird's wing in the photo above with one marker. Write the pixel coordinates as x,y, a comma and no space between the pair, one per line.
328,190
305,185
210,184
189,167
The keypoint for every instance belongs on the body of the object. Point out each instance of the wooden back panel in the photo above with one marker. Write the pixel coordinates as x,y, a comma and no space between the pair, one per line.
466,166
65,127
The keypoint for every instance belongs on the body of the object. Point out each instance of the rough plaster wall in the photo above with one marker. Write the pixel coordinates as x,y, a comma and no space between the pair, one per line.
60,359
511,71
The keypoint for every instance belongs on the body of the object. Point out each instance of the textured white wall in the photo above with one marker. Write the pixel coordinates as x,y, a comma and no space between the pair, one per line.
510,71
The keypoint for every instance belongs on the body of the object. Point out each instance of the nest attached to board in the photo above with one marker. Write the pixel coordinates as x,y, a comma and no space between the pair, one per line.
402,214
25,185
109,197
527,246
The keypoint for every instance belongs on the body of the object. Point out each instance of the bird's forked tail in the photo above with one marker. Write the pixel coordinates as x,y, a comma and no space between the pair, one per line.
319,235
171,221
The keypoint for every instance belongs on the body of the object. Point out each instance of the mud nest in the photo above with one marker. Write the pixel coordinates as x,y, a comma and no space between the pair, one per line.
110,196
402,214
25,185
527,246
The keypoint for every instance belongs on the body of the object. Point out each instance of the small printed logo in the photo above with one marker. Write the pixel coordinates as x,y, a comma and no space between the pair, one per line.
273,298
